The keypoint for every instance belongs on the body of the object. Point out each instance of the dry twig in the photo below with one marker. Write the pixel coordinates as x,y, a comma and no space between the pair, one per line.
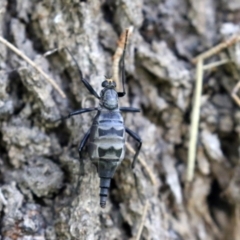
234,93
122,42
233,40
195,121
142,220
198,90
30,62
215,64
217,48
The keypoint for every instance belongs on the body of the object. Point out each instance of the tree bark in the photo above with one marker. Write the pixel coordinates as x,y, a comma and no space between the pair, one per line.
43,196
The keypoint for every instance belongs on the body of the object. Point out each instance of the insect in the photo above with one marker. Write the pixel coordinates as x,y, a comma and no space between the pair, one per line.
106,136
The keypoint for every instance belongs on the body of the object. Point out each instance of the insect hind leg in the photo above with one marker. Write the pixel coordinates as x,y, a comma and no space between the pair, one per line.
138,139
81,165
80,150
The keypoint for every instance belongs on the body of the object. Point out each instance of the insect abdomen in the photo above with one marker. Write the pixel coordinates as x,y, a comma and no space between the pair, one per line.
107,137
106,148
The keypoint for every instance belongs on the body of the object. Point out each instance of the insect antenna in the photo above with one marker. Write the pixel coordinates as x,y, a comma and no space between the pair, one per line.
85,82
75,61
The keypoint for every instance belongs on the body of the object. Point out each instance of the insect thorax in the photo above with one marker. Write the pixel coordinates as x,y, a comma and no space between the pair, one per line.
109,95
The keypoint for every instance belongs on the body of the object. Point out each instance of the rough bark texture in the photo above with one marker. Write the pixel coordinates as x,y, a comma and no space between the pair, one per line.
39,166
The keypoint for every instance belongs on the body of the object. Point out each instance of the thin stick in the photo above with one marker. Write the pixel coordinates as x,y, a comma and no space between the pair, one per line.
144,164
234,93
195,121
122,42
217,48
198,90
236,88
50,52
215,64
236,98
30,62
142,220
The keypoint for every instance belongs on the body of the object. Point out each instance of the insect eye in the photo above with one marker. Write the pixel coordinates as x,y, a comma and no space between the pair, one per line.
105,83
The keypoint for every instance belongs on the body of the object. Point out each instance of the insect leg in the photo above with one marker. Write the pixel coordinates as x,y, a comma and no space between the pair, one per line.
85,82
80,111
137,138
80,149
129,109
81,165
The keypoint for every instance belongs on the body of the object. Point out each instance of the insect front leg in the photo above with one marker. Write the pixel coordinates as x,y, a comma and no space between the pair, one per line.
80,149
139,140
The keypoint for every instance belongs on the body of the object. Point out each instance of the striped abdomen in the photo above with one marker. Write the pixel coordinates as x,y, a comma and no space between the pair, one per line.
107,137
107,147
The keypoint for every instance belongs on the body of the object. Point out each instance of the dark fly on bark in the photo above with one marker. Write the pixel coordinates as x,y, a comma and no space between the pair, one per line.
106,136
